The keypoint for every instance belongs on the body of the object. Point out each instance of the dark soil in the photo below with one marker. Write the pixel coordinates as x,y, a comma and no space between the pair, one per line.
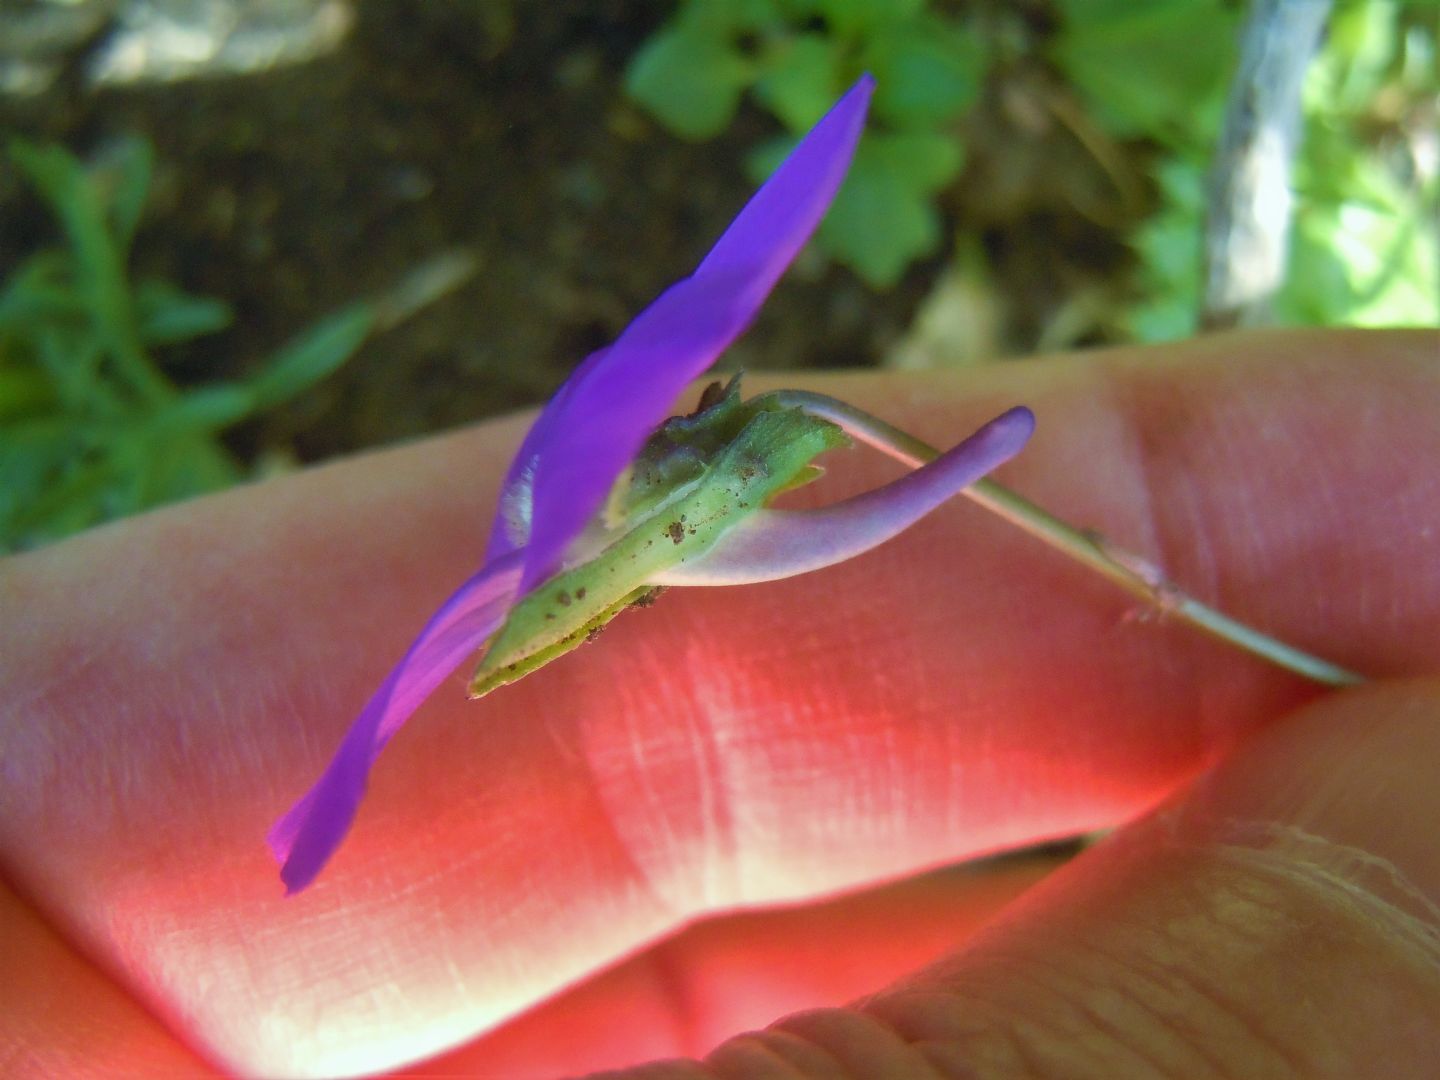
502,129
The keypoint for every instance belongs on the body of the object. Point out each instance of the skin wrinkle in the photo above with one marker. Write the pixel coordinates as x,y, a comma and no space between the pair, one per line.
643,758
860,1044
763,1056
1375,886
1160,977
1213,704
1038,1037
1365,911
708,706
908,1011
680,994
1404,491
617,778
716,795
1374,747
48,975
1024,1052
1158,973
714,695
1008,1036
1113,1016
1180,540
171,692
1142,436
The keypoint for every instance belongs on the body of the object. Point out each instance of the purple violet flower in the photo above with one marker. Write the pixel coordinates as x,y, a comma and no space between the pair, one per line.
587,437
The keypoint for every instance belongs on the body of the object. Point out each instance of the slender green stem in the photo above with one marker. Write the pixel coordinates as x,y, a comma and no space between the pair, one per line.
1131,572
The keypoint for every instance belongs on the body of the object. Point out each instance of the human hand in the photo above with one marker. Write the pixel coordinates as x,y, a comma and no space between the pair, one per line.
171,683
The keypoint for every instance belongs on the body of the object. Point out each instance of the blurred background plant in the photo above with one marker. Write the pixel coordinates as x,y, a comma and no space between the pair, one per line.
92,427
1038,175
796,57
1142,88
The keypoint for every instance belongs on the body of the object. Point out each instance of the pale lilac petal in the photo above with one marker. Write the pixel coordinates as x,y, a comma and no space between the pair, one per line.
596,424
775,544
309,833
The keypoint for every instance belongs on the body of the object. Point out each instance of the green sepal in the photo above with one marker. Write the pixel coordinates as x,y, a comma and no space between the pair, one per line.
483,683
697,477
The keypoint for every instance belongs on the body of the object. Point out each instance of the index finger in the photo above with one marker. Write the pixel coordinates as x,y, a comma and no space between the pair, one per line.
173,682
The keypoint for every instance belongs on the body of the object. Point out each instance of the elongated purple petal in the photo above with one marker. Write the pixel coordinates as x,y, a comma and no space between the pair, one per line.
309,833
766,236
775,544
596,423
507,534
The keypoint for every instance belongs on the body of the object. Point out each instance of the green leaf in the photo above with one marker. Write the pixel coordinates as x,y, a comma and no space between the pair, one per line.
859,18
40,293
209,409
51,170
1169,248
924,160
24,392
881,220
32,453
689,81
926,72
1361,263
168,314
127,168
184,466
802,78
764,159
316,353
1361,42
101,277
1157,69
72,501
71,354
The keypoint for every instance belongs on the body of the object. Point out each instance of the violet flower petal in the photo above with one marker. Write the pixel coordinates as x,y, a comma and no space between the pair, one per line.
593,428
773,544
507,533
309,833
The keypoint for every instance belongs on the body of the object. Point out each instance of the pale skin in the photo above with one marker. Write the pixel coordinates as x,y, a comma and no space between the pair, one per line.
172,683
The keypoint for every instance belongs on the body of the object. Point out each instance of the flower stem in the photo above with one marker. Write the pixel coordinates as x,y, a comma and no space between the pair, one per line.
1131,572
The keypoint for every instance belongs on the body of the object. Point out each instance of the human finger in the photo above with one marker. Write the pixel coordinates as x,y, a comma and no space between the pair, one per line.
1280,919
60,1016
175,681
733,972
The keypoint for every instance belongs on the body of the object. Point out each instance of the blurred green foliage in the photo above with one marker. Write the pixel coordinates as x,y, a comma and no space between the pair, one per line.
91,427
1363,243
796,57
1151,77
